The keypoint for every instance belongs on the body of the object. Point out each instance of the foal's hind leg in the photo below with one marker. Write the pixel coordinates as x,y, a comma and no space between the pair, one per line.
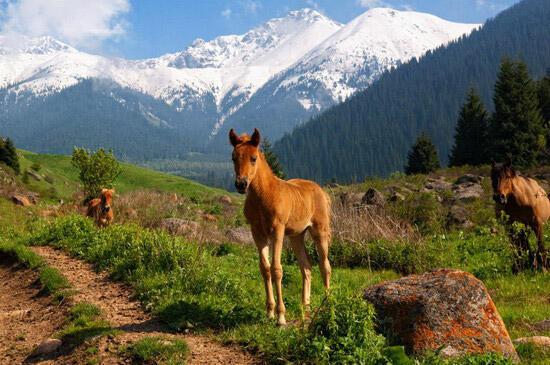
299,249
321,237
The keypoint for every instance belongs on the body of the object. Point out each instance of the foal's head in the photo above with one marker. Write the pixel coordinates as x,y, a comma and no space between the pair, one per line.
106,199
501,178
245,155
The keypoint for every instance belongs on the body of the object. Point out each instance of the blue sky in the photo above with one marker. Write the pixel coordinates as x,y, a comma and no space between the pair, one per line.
149,28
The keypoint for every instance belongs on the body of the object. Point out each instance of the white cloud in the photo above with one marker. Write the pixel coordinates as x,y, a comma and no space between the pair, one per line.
251,6
313,4
84,23
370,3
226,13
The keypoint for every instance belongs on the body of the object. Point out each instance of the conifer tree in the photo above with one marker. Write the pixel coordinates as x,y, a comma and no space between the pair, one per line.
423,157
516,129
470,147
544,104
272,159
8,154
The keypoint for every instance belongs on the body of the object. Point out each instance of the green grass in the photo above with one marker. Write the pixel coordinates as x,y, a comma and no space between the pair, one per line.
84,323
65,178
158,350
52,281
204,288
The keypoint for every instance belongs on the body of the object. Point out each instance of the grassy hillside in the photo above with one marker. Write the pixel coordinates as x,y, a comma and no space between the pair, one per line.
64,183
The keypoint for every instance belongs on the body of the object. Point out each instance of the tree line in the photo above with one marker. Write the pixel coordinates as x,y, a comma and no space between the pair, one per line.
518,129
371,133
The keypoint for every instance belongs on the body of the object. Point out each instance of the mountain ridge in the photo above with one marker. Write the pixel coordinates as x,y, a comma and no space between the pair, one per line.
216,81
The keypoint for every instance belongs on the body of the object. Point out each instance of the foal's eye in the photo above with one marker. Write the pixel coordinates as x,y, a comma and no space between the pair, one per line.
253,159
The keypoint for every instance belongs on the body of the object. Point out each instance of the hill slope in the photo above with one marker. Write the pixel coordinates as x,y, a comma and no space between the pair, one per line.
371,133
65,177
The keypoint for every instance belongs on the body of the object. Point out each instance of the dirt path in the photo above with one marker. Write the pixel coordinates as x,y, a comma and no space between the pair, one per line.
27,316
126,314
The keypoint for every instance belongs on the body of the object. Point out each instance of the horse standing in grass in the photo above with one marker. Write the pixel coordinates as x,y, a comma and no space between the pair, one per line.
275,208
523,201
100,208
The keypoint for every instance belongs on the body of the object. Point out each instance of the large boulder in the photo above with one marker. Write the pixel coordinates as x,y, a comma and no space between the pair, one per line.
446,309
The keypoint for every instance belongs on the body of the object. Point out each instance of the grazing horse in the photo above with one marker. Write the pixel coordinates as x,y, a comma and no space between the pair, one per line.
523,201
275,208
100,208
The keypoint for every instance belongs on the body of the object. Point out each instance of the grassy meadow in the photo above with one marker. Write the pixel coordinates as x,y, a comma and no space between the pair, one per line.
208,284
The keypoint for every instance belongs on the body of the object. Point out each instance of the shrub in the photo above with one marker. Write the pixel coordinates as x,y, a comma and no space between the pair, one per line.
97,170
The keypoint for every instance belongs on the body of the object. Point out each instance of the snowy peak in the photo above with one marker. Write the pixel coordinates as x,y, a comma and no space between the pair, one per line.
308,26
39,46
357,54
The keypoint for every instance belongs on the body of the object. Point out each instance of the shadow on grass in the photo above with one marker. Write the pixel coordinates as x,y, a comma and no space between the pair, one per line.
185,315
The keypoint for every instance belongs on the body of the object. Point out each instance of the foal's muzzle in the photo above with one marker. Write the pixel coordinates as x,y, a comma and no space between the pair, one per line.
500,198
241,183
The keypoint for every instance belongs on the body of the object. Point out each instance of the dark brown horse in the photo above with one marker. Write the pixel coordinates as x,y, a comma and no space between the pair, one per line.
524,201
100,209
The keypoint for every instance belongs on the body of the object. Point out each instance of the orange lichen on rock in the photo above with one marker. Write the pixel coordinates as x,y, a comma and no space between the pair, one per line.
443,309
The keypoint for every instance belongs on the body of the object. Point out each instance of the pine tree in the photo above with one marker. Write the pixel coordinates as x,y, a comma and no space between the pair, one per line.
516,129
544,104
422,158
8,154
544,97
272,159
470,146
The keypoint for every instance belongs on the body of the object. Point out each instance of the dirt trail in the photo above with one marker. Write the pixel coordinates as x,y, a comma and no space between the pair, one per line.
126,314
27,316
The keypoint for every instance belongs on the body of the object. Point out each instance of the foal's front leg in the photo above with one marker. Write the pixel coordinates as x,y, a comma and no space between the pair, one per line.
277,272
263,250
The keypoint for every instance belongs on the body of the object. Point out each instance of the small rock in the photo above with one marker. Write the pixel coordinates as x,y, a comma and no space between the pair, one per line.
468,178
350,199
396,196
373,197
459,216
34,175
209,217
225,199
240,235
443,308
538,341
20,200
438,184
543,325
47,346
468,192
179,226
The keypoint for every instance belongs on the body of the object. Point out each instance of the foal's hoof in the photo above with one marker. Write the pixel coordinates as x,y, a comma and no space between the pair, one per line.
281,322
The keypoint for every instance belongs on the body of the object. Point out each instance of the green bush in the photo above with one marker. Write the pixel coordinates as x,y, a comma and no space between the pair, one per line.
97,170
157,350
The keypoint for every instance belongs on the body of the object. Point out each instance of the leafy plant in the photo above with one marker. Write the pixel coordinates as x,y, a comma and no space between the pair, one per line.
97,170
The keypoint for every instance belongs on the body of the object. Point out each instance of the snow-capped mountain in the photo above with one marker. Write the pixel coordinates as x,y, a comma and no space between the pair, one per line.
355,56
283,70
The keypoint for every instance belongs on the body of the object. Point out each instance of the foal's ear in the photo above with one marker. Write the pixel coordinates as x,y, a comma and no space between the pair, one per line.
255,139
234,139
